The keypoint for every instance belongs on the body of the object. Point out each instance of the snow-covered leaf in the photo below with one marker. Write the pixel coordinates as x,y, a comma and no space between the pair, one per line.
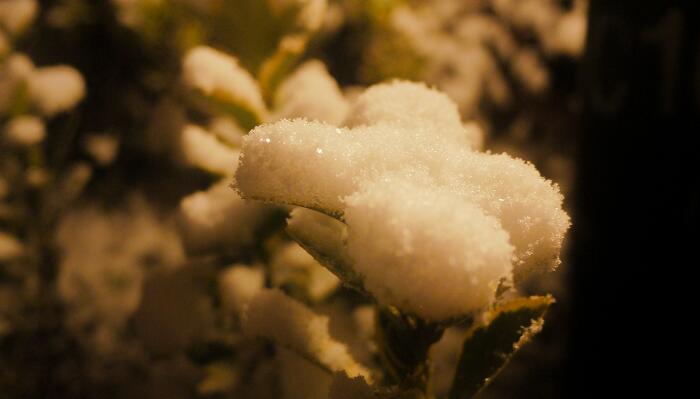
219,79
276,67
273,315
324,238
488,347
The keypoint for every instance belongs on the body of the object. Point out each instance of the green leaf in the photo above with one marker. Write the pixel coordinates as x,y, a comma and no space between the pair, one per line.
489,346
246,116
19,103
249,29
275,68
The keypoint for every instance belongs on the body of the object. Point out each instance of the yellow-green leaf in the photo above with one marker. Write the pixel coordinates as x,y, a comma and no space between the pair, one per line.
275,68
489,346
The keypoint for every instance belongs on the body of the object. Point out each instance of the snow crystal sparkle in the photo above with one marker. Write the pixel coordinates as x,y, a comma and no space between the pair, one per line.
422,209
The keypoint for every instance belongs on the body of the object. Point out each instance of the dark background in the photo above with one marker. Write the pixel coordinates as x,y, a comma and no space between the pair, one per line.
636,208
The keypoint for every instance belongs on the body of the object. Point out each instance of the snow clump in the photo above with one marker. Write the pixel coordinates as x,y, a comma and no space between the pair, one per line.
434,226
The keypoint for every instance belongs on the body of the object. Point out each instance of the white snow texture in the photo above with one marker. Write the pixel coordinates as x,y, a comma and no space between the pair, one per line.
433,225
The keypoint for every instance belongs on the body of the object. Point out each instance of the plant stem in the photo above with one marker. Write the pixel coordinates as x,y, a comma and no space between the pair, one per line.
403,342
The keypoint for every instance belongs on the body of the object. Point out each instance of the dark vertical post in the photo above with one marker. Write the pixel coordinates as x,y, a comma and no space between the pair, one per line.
635,240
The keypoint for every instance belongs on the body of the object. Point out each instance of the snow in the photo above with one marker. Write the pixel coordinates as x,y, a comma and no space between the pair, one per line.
10,247
311,92
238,284
425,250
273,315
219,75
25,130
205,151
17,15
56,89
219,219
422,209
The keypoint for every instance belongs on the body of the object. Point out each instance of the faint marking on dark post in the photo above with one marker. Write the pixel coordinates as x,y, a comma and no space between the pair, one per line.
637,189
